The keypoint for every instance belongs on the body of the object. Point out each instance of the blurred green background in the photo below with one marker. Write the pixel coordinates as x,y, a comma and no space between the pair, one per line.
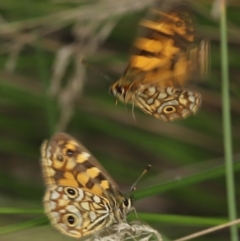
44,88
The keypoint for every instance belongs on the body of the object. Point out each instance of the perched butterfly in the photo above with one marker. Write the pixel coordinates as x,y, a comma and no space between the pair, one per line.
81,198
165,57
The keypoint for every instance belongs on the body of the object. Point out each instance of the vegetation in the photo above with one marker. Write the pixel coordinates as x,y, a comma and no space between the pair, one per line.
44,87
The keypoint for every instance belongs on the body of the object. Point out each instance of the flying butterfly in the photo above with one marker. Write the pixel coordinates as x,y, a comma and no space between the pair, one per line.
166,56
81,198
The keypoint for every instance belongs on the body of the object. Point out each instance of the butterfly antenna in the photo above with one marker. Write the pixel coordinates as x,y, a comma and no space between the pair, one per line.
97,71
133,188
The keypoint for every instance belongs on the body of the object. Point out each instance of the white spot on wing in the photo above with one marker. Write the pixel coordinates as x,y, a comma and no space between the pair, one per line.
162,95
151,90
96,199
169,90
191,98
55,217
193,107
85,154
48,154
72,209
85,205
52,205
55,195
92,216
150,101
60,189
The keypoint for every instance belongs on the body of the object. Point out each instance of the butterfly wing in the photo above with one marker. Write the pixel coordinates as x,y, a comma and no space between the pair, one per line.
76,212
158,55
163,60
168,51
67,162
80,194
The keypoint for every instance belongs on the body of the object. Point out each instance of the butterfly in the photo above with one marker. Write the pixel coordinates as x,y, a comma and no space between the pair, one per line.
81,198
166,56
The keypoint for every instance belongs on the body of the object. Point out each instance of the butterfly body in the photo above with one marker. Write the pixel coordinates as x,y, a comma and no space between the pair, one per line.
80,197
164,59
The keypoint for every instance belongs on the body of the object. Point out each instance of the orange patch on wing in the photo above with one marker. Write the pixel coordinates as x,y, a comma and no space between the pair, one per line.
149,45
145,63
97,190
82,178
71,163
71,145
93,172
104,184
84,156
69,180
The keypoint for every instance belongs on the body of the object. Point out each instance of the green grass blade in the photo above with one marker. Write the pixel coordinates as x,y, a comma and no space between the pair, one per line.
227,123
20,211
183,182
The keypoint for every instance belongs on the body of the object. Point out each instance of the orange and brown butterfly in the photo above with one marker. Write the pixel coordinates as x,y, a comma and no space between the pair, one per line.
81,198
166,56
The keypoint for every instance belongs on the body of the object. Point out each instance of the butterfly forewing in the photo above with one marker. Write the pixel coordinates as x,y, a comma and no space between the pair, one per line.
69,163
165,57
81,198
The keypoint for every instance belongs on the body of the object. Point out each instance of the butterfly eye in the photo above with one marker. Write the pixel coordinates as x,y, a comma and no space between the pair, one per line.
70,220
119,90
116,89
127,203
169,109
71,192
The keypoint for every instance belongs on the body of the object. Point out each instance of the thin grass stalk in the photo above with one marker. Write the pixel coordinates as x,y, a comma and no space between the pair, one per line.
209,230
227,123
